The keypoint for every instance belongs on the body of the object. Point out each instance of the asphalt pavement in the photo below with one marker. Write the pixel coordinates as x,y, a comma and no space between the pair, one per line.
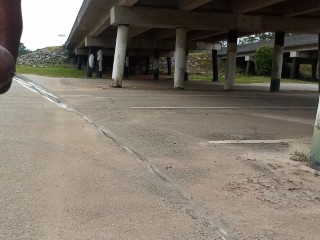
81,160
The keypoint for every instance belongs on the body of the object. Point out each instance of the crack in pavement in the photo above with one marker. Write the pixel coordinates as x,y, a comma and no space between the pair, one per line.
197,210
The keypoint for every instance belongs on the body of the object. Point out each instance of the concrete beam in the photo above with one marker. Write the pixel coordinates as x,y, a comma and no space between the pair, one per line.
298,7
109,43
198,35
184,5
137,31
249,58
188,5
131,53
81,52
91,11
205,45
128,3
296,54
167,18
245,6
165,33
104,23
101,26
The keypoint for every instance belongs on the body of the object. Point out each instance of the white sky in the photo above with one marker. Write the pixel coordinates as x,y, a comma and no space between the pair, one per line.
44,20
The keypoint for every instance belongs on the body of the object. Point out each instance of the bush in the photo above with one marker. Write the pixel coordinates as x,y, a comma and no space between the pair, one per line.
263,61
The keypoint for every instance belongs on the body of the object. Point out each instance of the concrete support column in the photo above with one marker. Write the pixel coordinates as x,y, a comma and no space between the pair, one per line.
156,65
294,73
148,65
215,67
120,56
180,56
319,59
169,64
186,74
127,68
231,60
277,62
79,62
315,149
99,63
90,63
314,70
249,67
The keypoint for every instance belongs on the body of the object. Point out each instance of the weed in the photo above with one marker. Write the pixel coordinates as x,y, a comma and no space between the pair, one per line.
300,156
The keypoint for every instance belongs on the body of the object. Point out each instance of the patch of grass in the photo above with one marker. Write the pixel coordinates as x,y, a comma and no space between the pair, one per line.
51,71
300,156
246,79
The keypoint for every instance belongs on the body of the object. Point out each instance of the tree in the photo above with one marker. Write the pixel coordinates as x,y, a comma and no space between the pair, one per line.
263,60
23,50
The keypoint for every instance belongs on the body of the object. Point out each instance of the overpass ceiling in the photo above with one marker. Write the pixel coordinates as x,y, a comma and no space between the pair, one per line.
94,18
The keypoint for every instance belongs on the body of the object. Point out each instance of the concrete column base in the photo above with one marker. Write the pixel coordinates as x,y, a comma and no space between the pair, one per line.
275,85
178,88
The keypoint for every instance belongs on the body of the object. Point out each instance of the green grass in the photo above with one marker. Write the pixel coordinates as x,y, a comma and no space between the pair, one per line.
51,71
69,71
243,79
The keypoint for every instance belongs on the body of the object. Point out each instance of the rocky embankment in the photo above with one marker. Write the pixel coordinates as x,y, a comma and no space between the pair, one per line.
45,56
199,62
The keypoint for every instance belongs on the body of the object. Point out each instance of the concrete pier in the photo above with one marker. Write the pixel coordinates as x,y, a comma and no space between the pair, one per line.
90,63
126,68
277,62
169,65
120,56
231,60
99,63
319,60
314,69
315,148
215,66
186,74
156,65
294,73
79,62
180,56
147,65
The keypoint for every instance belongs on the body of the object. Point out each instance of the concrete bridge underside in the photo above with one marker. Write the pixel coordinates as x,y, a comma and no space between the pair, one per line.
148,28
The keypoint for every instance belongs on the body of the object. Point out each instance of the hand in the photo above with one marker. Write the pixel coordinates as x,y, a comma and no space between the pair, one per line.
10,34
